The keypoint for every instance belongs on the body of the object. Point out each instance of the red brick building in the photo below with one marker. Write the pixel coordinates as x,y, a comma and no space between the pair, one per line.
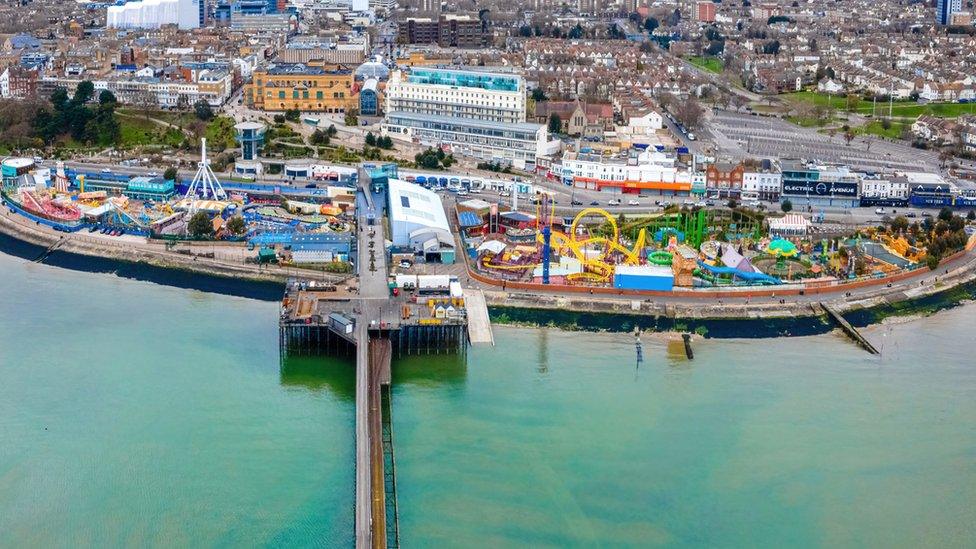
705,11
724,180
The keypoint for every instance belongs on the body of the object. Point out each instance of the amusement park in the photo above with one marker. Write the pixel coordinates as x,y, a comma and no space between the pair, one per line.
694,247
305,227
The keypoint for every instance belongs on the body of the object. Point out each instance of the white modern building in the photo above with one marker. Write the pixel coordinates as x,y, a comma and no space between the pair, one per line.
647,172
457,93
761,185
518,144
418,221
152,14
885,188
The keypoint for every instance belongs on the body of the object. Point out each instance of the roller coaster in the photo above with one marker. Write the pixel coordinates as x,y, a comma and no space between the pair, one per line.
600,267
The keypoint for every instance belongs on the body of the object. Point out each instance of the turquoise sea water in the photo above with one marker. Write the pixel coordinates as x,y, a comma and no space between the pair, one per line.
133,414
139,414
558,439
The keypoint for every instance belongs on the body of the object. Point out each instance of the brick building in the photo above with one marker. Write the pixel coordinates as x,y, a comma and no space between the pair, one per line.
724,180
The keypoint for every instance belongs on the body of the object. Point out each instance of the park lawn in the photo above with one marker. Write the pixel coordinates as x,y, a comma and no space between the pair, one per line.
710,64
135,131
220,131
909,109
876,128
807,121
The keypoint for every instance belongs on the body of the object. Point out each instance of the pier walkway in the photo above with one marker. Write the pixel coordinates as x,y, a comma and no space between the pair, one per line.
372,369
479,325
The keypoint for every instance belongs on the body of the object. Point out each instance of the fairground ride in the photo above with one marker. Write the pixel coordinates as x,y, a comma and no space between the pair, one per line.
598,267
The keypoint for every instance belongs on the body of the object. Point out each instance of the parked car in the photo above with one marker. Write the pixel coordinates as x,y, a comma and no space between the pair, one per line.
911,214
577,202
633,203
595,203
879,211
613,202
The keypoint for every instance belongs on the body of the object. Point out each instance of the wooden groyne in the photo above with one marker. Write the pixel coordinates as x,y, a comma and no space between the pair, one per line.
851,331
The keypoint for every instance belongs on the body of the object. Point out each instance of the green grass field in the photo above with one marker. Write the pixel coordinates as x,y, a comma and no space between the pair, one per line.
220,130
137,132
875,127
906,109
710,64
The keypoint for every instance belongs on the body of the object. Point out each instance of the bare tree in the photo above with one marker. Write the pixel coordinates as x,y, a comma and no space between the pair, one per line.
689,113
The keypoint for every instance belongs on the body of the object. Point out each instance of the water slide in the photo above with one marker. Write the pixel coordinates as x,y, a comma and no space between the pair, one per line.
756,277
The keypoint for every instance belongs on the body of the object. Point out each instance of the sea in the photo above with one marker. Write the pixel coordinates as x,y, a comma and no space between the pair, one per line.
140,413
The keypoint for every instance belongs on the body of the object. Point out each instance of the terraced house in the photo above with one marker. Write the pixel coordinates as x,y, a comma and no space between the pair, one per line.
282,87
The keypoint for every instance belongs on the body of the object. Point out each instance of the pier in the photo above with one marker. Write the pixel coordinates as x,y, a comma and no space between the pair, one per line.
371,322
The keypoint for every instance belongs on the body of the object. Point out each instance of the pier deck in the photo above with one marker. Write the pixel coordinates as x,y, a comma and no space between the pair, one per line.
320,318
479,326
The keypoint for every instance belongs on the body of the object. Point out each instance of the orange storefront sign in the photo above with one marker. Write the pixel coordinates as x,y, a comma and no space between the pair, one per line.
650,185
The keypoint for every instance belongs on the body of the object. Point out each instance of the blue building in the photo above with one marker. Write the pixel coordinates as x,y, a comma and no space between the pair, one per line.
808,185
251,137
256,7
944,10
369,98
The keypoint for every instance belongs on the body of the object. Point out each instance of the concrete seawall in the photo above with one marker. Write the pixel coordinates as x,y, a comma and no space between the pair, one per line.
136,250
962,271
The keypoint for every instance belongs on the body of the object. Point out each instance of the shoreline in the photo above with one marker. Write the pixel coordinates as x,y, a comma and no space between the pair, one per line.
192,267
707,315
741,327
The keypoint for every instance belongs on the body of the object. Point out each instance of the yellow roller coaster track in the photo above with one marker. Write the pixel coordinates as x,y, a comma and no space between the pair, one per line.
596,268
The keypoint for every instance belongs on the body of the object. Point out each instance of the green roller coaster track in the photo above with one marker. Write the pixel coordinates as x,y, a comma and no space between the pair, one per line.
697,225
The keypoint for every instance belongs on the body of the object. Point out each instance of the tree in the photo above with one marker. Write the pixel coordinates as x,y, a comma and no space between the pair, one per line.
203,110
971,216
352,117
538,94
293,115
385,142
651,24
689,113
107,98
236,225
787,206
849,136
200,225
370,139
331,131
319,137
771,47
170,174
84,92
945,214
732,204
555,123
899,224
